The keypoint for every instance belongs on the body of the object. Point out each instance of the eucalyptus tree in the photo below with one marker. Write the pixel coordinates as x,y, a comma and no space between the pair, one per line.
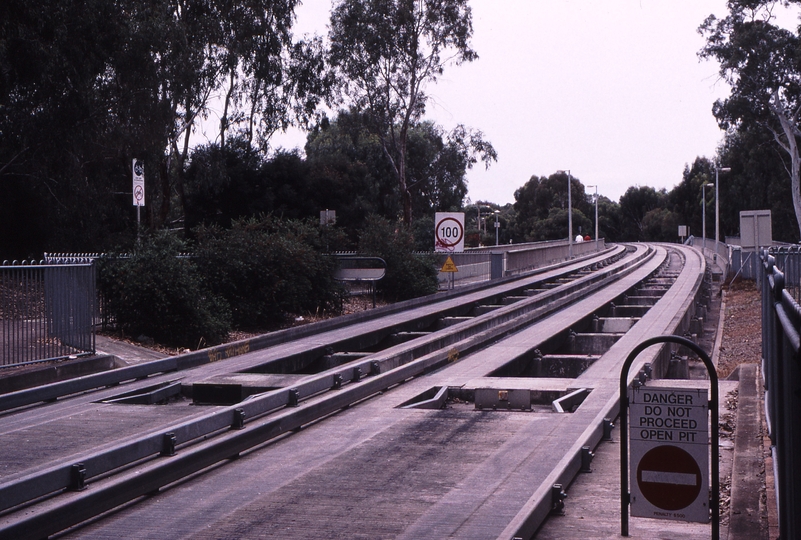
757,181
685,197
635,205
55,126
760,61
244,50
541,205
86,85
384,53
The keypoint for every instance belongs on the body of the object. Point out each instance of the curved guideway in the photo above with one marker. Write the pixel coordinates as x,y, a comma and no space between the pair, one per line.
365,327
382,471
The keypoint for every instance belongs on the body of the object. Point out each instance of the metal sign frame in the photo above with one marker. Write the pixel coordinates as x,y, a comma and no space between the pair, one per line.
669,454
714,489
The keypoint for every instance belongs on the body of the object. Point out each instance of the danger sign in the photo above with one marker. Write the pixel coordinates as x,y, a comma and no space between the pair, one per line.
669,453
449,266
449,232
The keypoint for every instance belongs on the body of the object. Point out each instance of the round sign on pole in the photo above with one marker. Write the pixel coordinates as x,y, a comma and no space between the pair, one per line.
138,182
449,232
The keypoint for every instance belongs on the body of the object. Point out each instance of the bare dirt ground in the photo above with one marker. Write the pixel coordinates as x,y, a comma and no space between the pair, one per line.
741,343
742,327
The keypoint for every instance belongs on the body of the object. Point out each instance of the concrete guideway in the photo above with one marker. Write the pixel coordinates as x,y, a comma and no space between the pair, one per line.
309,336
73,405
358,469
379,471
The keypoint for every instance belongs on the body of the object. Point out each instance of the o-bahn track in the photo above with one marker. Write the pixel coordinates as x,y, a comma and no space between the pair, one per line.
453,302
48,495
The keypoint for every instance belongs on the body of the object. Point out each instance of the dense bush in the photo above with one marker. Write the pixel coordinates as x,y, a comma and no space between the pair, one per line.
161,295
251,276
266,269
409,275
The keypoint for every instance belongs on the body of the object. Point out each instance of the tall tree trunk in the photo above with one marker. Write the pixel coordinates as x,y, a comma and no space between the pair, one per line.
791,131
224,120
164,209
406,197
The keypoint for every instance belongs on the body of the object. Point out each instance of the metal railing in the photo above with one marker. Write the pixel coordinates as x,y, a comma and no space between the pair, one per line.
47,311
788,260
781,370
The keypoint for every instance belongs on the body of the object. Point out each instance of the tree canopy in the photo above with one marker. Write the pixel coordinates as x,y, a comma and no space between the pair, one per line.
85,86
762,63
383,54
542,208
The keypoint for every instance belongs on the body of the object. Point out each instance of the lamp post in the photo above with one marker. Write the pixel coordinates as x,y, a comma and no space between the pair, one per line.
595,198
703,215
717,208
497,226
569,213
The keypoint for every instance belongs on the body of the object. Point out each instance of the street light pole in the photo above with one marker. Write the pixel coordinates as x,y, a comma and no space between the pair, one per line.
717,208
703,216
497,226
569,213
596,216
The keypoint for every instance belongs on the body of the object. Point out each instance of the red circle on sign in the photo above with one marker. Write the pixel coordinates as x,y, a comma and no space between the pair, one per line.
448,243
669,478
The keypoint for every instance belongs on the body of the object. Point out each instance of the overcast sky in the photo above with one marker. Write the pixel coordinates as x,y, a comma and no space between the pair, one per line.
612,90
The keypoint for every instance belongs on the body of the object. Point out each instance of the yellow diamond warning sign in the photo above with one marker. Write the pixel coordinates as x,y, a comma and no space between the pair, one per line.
449,266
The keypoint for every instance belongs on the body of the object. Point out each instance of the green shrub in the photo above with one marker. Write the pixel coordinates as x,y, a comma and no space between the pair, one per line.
267,269
409,275
161,295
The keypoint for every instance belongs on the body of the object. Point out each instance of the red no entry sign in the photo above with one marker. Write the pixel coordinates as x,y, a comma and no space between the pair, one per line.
669,478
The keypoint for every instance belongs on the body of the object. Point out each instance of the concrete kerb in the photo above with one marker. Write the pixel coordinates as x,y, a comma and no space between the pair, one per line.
719,334
59,371
746,484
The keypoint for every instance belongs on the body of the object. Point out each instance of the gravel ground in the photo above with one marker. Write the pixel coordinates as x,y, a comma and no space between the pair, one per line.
742,327
741,344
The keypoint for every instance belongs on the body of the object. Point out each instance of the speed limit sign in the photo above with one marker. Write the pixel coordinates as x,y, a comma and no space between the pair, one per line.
449,232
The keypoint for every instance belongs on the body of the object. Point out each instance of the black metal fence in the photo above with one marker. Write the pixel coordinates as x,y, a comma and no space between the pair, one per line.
47,311
781,368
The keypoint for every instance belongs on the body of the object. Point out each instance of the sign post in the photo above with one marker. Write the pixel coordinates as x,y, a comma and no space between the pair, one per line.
684,232
328,217
449,267
138,189
449,232
669,447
